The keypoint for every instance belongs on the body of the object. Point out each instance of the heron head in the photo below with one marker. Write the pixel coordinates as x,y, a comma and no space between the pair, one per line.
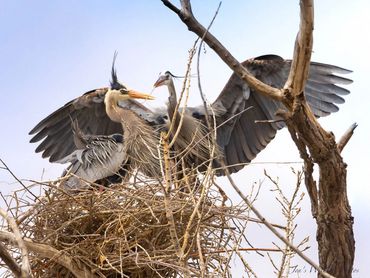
120,90
163,79
123,93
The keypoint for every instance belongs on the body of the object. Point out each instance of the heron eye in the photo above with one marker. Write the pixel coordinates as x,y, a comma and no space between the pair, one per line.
123,91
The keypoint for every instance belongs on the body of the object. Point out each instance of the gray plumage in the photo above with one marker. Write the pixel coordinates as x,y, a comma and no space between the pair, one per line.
96,157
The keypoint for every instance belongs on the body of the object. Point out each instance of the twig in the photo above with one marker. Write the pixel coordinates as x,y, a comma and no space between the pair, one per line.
198,66
25,268
240,249
16,178
167,202
184,90
269,121
7,204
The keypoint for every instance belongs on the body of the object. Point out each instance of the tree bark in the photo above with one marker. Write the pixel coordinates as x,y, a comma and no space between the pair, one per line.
333,213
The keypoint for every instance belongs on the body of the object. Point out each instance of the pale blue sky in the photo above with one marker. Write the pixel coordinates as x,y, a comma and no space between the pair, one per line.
53,51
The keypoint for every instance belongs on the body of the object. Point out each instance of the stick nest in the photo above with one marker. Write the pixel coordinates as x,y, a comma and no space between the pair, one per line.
133,230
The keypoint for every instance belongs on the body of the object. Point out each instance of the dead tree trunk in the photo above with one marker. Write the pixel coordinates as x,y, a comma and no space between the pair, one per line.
330,206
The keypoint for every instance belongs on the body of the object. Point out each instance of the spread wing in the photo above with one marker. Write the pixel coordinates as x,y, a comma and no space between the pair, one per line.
55,130
239,107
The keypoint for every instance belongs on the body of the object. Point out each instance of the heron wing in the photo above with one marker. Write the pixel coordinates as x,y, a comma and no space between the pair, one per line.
242,113
55,130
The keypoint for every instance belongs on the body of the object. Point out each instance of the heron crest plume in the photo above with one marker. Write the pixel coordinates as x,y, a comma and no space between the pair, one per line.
114,83
176,76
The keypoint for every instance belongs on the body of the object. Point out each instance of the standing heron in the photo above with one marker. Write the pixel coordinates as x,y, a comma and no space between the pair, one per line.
238,108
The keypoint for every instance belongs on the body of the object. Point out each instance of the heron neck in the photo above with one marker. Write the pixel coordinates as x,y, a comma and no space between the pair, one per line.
111,107
132,124
172,101
141,144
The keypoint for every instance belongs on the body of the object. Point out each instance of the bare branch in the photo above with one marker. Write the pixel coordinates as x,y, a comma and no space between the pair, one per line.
171,6
346,137
9,261
49,252
193,25
25,268
302,50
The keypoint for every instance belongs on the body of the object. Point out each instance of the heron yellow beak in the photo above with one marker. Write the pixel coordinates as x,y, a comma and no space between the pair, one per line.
136,94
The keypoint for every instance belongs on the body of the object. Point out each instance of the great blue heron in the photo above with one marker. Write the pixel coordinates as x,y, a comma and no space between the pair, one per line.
239,136
90,147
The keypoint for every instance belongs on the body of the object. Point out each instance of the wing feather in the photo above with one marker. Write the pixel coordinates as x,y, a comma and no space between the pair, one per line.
56,129
242,138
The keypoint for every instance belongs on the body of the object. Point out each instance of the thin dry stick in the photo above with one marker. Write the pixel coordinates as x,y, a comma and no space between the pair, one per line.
204,190
16,178
198,66
7,204
241,249
200,254
237,239
191,218
184,90
25,268
167,203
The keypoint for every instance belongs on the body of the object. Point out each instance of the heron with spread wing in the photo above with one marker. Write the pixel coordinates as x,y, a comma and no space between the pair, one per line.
245,118
108,131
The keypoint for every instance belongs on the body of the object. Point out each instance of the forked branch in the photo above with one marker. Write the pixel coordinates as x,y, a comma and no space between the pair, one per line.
186,15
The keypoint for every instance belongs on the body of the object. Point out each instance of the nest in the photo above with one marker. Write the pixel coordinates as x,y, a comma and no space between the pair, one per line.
136,229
